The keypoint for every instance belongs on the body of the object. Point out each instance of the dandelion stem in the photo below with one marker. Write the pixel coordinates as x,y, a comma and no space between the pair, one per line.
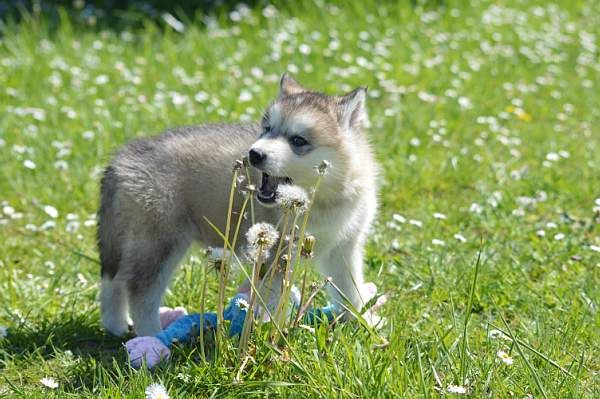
223,272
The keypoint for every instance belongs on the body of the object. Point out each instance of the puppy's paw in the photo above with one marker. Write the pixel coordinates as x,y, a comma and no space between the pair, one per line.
368,291
115,326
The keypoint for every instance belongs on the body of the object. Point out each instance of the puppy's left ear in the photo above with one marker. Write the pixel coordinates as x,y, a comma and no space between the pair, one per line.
288,85
351,109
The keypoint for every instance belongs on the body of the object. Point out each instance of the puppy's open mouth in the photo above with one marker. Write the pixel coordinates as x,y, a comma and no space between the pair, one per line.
267,193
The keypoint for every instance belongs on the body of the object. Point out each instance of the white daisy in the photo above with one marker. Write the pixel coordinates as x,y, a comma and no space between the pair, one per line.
440,216
506,359
399,218
49,382
51,211
456,389
415,222
29,164
460,237
156,391
475,208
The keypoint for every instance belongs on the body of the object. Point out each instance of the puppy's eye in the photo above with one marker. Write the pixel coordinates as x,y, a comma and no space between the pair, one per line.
267,128
298,141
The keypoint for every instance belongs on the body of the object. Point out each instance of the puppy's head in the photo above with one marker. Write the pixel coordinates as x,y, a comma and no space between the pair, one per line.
300,130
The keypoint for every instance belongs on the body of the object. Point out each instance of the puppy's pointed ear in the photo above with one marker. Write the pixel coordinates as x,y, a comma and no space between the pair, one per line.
351,109
288,85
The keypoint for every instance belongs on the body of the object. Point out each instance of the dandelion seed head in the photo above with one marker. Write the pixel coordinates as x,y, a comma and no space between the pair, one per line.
215,254
292,197
262,235
323,167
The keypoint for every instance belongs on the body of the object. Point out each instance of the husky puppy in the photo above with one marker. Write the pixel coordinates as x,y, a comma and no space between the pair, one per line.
158,193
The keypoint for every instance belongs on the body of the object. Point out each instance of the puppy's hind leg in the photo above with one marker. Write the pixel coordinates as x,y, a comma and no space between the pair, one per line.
150,268
113,292
113,304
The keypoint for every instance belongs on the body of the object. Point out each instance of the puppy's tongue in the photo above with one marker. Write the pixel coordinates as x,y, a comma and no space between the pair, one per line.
268,188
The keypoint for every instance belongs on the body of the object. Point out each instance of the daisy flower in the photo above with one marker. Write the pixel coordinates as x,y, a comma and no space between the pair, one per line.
506,359
156,391
51,211
456,389
49,382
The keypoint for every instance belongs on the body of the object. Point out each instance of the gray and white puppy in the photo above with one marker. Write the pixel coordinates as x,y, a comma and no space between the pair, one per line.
158,192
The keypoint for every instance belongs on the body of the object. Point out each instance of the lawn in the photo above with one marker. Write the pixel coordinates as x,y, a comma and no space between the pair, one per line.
484,117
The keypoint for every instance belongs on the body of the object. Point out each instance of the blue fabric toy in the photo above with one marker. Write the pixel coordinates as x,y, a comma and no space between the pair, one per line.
154,349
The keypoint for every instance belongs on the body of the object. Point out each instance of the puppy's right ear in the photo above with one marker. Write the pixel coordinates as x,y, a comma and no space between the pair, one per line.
288,85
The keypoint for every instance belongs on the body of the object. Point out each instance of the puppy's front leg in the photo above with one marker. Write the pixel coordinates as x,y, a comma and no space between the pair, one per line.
344,264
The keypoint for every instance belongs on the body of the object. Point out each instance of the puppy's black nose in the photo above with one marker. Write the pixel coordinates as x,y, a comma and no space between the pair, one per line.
256,157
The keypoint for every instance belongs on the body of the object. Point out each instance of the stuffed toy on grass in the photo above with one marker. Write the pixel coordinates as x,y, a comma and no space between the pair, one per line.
178,326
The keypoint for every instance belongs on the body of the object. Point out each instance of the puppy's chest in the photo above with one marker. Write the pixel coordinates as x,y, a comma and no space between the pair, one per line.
333,225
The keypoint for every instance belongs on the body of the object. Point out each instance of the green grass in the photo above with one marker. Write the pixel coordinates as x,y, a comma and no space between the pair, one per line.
529,72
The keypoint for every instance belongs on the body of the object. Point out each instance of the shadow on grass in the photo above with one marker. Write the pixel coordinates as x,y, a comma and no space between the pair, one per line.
79,334
118,14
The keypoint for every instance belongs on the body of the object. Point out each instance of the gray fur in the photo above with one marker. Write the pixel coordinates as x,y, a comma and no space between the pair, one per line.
155,196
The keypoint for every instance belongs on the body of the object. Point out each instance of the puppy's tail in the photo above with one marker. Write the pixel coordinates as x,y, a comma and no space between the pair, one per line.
108,222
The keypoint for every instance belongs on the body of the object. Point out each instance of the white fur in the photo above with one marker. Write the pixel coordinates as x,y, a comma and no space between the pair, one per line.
114,304
298,123
275,115
349,190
